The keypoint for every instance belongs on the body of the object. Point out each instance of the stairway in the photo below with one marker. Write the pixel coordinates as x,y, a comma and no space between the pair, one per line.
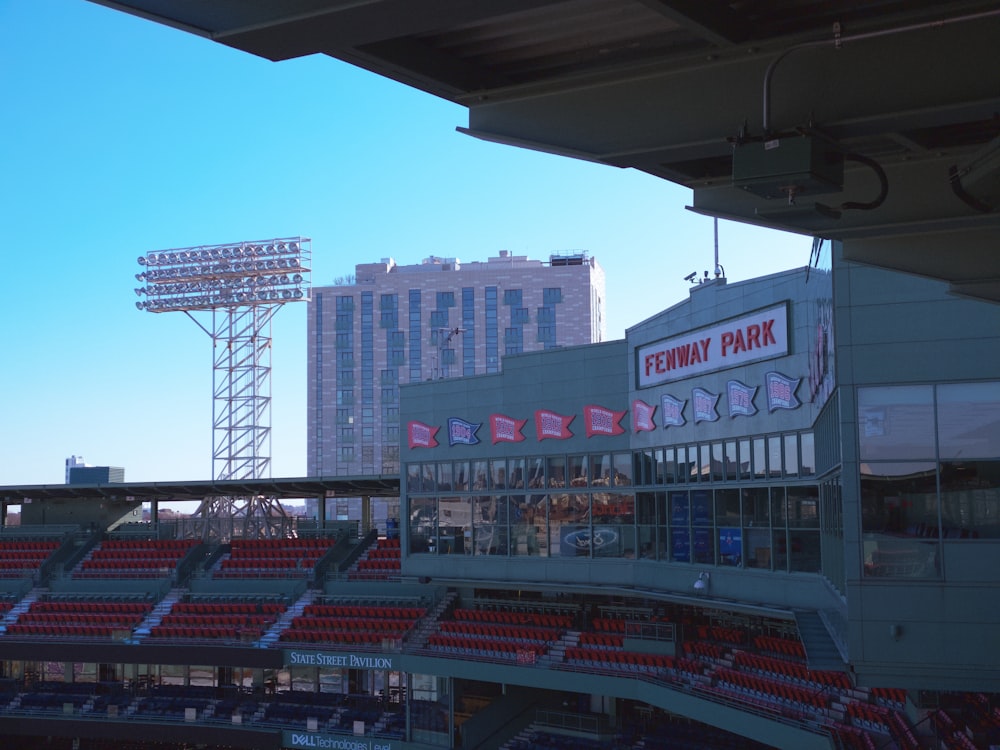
821,650
429,623
21,607
153,618
270,638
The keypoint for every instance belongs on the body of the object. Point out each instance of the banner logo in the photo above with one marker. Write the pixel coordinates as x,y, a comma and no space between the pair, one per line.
704,405
504,429
461,432
422,435
741,399
672,411
548,424
781,391
601,421
642,416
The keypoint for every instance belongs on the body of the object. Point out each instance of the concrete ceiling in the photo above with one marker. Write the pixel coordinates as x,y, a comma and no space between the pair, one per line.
897,97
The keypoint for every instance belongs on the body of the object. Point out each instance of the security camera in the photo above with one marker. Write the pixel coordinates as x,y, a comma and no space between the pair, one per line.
690,276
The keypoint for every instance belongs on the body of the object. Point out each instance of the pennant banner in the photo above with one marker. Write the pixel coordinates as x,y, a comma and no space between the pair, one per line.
642,416
504,429
741,399
781,391
672,411
461,432
704,405
548,424
422,435
601,421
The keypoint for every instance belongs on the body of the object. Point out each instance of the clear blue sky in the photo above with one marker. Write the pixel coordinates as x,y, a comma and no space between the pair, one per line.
120,136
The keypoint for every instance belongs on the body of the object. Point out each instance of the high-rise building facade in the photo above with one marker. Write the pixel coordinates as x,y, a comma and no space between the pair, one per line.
437,319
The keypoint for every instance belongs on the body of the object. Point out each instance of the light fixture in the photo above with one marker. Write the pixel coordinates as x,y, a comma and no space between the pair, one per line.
701,583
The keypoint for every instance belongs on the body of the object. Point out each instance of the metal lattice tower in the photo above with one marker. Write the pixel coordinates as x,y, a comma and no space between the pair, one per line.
241,285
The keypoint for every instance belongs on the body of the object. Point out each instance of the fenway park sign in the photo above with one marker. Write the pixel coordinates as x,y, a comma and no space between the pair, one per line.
738,341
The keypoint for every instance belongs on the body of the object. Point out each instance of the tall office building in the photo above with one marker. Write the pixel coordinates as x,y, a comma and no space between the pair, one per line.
437,319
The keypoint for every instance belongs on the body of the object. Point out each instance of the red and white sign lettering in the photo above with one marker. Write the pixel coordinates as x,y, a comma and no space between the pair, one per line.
506,429
642,416
738,341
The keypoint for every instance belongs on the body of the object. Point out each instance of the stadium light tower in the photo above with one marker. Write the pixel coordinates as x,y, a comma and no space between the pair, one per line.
240,286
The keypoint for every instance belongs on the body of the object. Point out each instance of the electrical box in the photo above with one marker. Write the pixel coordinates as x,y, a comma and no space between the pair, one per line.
798,165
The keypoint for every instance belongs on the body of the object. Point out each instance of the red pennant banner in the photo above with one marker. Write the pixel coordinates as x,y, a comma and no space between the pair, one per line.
548,424
601,421
642,416
422,435
504,429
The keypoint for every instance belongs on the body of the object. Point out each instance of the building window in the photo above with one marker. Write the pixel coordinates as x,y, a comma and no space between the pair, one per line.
445,299
512,297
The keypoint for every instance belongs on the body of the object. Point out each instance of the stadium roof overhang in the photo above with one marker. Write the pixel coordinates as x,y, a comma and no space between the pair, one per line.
356,486
908,90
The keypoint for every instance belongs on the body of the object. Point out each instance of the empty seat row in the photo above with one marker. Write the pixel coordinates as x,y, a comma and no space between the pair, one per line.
630,660
771,689
151,544
258,621
502,632
364,564
784,647
279,544
350,624
7,545
364,610
86,605
485,646
76,631
514,618
390,553
791,670
206,632
227,608
601,640
387,543
330,636
81,618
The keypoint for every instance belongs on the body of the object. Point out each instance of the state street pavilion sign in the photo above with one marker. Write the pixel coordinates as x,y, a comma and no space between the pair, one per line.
738,341
345,660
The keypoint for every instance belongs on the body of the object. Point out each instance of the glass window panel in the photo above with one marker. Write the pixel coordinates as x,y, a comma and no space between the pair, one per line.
774,456
578,471
480,474
489,519
498,474
556,469
727,507
718,461
658,466
896,423
808,444
600,470
704,471
445,476
536,473
669,465
970,499
515,473
701,507
779,551
622,470
803,506
759,459
968,417
455,534
900,498
804,555
461,475
745,466
423,524
778,507
730,462
791,455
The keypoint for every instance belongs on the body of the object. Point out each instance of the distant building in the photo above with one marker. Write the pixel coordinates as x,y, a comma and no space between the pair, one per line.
74,462
96,475
437,319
